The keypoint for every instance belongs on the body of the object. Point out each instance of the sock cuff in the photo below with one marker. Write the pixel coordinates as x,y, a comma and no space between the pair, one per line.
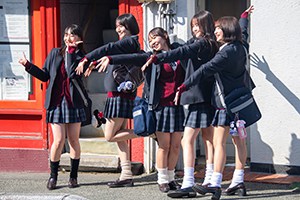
189,171
209,166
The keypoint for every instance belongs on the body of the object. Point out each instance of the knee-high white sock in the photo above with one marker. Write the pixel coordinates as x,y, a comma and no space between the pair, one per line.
162,175
171,174
188,178
126,172
238,177
208,173
216,179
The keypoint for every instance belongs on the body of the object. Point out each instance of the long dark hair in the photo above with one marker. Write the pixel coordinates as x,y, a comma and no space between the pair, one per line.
129,22
75,30
158,31
207,27
231,29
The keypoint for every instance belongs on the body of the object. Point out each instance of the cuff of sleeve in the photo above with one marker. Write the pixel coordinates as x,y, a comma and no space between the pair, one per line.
244,15
27,65
182,88
84,58
71,50
110,59
154,59
95,62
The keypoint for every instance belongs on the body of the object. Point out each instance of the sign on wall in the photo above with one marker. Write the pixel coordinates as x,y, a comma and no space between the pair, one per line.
14,40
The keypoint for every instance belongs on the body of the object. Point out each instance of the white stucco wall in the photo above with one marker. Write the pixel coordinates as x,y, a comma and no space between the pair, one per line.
181,23
275,52
275,44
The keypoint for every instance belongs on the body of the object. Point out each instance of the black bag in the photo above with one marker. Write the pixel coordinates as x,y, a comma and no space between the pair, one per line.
87,103
124,73
241,104
144,119
88,111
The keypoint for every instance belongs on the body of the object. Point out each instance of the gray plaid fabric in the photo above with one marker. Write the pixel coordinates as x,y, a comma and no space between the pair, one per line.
169,119
63,114
221,118
199,115
118,107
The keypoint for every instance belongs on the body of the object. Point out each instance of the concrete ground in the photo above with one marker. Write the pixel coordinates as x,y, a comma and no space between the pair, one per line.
32,186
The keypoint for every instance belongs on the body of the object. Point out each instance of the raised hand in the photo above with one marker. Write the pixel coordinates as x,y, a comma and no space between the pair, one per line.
102,64
250,9
149,61
23,60
89,70
80,67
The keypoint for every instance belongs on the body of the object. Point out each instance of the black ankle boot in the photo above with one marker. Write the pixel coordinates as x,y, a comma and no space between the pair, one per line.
52,181
74,173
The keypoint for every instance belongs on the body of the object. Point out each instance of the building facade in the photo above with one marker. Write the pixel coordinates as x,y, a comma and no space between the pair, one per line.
273,142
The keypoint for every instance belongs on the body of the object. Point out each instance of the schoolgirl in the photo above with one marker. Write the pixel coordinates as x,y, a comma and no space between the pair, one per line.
198,50
229,65
64,103
118,107
169,117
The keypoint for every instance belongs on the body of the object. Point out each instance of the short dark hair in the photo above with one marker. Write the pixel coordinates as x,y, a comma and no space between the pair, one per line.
230,27
129,22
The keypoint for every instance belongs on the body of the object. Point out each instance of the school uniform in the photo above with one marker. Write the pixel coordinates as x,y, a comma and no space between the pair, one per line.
198,99
229,64
63,101
118,104
169,76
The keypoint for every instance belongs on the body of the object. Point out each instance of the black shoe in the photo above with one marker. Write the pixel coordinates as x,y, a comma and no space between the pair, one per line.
239,188
186,192
164,187
51,184
174,185
73,183
216,191
123,183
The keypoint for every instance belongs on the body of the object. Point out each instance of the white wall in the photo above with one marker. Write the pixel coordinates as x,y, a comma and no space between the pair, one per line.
182,20
275,41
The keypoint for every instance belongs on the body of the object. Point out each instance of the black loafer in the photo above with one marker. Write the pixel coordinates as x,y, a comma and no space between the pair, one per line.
51,184
174,185
164,187
186,192
73,183
239,188
123,183
215,191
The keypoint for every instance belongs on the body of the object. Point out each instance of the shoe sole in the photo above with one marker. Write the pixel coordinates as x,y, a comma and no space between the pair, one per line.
196,189
179,195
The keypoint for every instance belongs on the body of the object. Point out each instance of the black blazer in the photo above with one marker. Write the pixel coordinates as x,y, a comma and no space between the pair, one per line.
229,63
124,46
49,71
192,55
139,59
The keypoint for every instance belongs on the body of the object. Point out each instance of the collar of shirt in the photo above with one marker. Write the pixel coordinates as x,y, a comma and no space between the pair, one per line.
221,47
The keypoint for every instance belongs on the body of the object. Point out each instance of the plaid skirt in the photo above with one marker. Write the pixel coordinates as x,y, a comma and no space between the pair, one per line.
221,118
199,115
169,119
118,107
63,114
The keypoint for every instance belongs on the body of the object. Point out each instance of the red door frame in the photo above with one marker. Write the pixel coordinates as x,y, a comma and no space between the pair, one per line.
24,134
